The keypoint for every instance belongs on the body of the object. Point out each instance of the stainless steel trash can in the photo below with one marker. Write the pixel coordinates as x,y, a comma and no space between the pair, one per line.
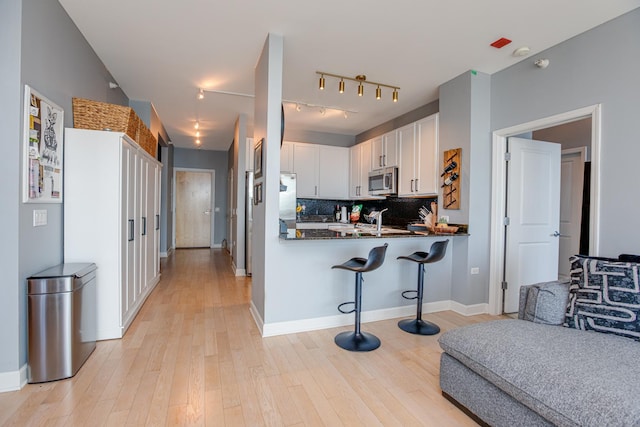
61,320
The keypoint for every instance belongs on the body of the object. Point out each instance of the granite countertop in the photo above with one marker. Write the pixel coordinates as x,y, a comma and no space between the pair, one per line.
358,233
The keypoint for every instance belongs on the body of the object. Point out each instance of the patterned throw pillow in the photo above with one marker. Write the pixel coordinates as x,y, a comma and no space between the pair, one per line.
604,296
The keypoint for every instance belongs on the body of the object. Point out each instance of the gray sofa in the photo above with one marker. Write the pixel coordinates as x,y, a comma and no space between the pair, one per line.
532,371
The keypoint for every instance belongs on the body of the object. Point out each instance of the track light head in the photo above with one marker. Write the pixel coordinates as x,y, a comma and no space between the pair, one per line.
360,89
361,79
197,125
395,95
341,86
378,93
321,85
201,94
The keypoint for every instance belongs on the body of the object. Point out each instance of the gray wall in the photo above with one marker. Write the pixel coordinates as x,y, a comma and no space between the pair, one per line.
47,52
208,159
570,135
599,66
324,138
166,196
464,123
11,287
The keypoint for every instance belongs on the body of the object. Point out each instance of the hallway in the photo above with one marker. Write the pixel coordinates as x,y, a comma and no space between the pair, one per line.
194,356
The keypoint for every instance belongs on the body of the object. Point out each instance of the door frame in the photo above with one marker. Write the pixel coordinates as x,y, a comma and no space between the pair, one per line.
499,189
213,198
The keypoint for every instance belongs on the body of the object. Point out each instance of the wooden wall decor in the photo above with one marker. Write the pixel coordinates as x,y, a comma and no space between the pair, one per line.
452,164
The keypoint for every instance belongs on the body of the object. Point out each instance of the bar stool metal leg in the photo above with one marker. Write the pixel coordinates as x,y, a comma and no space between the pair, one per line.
357,340
418,326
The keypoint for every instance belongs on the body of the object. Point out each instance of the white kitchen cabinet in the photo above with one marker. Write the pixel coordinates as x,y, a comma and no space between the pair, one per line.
333,172
112,218
384,151
359,168
322,171
286,157
417,165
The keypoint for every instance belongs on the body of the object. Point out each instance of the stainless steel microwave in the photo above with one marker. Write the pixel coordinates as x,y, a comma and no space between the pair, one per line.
383,182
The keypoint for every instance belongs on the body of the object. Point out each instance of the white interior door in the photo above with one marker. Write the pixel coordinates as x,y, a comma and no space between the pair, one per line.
193,209
533,209
571,188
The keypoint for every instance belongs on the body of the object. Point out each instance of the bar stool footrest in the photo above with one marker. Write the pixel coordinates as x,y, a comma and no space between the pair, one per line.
410,292
418,327
357,342
346,312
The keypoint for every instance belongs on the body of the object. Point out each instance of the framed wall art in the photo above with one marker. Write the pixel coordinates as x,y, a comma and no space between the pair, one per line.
257,159
43,149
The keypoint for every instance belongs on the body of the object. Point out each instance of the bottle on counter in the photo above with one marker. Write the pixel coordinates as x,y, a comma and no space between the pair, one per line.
337,213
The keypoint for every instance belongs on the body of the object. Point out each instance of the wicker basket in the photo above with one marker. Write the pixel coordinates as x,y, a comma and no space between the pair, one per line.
96,115
147,141
88,114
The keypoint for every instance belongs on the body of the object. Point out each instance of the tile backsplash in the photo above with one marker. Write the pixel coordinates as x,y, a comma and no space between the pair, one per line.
402,210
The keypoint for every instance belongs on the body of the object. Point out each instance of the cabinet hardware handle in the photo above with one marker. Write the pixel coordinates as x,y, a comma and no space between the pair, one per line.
144,225
412,186
131,230
157,222
416,184
316,190
380,161
384,160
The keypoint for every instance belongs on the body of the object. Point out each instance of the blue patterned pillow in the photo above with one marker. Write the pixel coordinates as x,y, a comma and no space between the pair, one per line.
604,296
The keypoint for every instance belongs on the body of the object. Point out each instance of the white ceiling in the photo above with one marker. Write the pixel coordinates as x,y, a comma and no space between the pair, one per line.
163,51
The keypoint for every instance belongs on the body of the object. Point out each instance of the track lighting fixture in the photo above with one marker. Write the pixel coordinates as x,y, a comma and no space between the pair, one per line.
360,79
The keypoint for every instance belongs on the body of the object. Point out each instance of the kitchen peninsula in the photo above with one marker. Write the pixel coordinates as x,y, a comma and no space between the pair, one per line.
309,291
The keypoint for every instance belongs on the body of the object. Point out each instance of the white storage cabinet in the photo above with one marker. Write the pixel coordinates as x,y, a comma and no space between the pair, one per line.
112,218
417,168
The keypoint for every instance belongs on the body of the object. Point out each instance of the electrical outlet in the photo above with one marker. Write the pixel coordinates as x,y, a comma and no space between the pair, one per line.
444,218
475,270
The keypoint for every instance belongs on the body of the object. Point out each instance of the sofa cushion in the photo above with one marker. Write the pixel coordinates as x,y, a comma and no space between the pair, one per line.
604,296
569,377
544,302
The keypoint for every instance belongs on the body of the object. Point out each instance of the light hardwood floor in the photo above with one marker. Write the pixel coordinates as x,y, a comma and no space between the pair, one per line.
194,356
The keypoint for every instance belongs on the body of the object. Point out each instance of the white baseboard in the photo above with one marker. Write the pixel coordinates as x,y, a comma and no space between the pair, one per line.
257,318
12,381
217,246
166,254
469,310
326,322
238,271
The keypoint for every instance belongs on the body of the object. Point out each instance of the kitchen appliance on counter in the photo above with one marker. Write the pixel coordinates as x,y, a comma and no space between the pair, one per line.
383,182
288,197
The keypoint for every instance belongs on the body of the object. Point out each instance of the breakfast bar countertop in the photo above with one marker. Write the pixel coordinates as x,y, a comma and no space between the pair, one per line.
356,233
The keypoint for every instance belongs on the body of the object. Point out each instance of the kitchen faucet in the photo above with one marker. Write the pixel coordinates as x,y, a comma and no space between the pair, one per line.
379,219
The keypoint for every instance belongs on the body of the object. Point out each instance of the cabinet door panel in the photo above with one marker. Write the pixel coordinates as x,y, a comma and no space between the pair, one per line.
333,172
366,166
390,154
427,156
354,170
305,165
406,173
286,157
377,153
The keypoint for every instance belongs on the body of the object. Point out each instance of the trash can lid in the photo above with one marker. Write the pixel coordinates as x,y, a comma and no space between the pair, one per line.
72,269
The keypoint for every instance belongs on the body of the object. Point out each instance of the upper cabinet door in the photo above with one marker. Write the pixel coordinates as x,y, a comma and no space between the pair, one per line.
406,163
390,144
305,165
286,157
377,153
333,172
427,156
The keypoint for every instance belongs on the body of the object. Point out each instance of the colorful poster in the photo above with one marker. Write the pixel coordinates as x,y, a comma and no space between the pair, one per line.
43,135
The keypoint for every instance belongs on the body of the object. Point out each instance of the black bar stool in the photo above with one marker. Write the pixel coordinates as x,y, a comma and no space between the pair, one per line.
357,340
417,325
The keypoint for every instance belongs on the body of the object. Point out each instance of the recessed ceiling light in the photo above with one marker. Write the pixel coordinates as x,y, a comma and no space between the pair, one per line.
521,51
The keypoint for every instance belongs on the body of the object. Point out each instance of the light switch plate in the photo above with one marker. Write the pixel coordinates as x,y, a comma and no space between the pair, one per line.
39,217
475,270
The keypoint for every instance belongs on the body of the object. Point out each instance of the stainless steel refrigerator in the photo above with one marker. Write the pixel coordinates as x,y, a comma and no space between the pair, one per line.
288,197
248,221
